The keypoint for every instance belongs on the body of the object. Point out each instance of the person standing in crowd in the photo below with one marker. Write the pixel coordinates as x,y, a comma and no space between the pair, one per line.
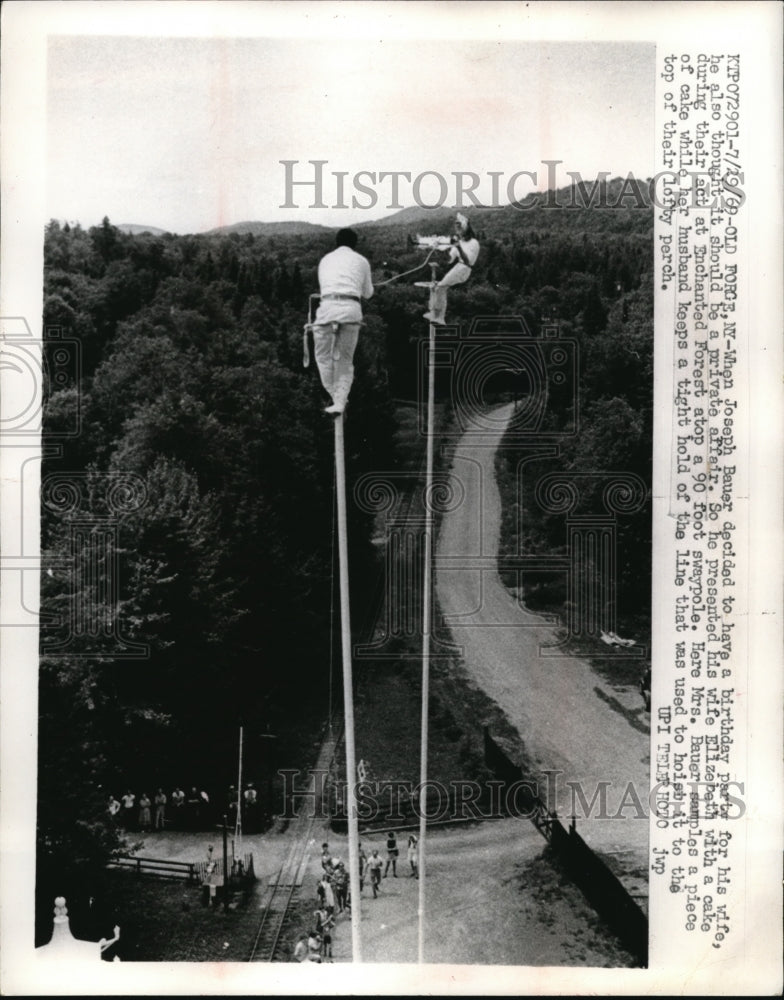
178,805
344,280
375,864
463,254
327,894
326,859
413,854
210,883
392,853
160,809
113,807
324,925
362,867
251,807
193,806
128,809
145,816
205,810
340,881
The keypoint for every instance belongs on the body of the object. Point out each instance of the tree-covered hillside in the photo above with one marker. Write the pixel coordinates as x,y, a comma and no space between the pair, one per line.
187,525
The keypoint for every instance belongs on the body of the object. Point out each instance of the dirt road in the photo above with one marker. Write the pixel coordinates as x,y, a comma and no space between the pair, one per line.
557,703
492,899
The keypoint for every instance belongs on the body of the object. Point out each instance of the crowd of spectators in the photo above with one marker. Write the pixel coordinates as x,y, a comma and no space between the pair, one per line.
333,893
180,810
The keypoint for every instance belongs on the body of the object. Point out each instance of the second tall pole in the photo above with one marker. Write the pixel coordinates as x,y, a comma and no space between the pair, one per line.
426,626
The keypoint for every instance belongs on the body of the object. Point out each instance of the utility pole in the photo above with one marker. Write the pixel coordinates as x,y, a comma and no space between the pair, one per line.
238,820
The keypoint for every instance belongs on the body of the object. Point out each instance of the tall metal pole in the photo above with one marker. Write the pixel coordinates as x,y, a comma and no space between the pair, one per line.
348,692
426,622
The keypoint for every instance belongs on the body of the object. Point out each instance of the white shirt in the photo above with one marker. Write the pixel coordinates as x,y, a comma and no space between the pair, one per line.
329,896
470,248
343,272
460,272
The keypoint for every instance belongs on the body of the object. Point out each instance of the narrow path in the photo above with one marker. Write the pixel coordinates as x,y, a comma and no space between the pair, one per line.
561,707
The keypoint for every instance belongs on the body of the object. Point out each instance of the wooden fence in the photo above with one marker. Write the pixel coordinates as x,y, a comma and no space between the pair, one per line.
193,871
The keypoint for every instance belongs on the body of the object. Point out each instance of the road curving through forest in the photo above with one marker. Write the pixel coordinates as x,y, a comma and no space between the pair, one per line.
562,709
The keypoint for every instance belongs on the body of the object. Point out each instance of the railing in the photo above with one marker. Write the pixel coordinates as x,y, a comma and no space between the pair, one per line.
193,871
156,866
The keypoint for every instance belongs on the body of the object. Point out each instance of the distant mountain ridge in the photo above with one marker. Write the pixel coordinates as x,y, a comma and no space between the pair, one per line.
617,192
271,229
135,230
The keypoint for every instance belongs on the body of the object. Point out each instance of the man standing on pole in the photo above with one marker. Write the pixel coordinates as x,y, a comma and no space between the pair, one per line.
344,280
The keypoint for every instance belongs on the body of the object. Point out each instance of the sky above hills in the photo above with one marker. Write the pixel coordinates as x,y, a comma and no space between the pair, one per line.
188,133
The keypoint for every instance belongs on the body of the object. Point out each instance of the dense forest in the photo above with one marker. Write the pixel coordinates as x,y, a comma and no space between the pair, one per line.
187,500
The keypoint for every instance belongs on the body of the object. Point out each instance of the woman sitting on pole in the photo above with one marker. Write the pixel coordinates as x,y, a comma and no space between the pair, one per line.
464,251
